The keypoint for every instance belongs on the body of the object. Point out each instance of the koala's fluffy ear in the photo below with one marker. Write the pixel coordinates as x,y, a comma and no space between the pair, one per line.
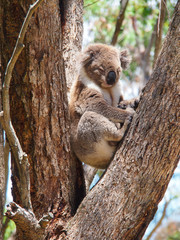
87,57
125,58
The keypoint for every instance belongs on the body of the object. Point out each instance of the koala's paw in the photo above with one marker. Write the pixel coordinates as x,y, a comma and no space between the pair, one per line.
122,105
135,103
127,121
125,104
131,113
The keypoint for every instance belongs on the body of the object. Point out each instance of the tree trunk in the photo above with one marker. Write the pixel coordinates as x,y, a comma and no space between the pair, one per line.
72,33
125,200
39,107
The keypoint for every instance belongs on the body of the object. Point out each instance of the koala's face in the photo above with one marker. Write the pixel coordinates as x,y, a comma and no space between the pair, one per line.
103,64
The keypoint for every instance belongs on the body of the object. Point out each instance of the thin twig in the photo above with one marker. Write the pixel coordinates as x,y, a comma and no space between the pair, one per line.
145,59
159,31
20,156
90,4
123,6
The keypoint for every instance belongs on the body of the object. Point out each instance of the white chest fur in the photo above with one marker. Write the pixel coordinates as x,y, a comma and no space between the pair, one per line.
111,95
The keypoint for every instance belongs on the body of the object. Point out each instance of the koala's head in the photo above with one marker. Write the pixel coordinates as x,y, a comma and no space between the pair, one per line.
103,64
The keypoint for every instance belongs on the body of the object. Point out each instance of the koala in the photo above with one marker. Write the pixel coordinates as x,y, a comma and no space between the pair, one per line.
97,124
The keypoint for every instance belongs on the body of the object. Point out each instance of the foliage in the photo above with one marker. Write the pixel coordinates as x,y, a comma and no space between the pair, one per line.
103,15
10,228
175,236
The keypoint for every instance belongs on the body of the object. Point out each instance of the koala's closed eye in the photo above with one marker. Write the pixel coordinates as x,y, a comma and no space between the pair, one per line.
100,71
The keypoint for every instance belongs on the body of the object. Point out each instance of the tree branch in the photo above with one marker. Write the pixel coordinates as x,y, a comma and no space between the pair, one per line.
159,30
145,57
28,226
90,4
20,156
123,5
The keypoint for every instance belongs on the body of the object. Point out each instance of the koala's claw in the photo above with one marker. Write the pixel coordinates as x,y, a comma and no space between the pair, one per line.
122,106
125,104
130,111
129,119
136,103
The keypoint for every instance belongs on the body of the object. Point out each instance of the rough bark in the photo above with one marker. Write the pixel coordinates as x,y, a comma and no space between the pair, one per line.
72,32
39,106
123,203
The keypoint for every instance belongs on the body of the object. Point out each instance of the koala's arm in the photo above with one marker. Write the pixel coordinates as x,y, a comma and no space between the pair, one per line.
114,114
94,102
132,103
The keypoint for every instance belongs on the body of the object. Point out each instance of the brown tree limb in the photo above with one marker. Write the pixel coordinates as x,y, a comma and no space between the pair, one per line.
145,57
159,30
28,226
20,156
123,5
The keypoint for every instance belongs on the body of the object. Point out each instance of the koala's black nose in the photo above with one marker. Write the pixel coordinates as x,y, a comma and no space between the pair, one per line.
111,78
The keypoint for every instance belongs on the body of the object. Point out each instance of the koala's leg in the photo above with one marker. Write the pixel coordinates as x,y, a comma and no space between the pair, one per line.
96,139
117,134
93,127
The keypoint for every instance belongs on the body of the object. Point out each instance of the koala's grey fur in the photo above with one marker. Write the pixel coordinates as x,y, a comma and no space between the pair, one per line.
94,97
